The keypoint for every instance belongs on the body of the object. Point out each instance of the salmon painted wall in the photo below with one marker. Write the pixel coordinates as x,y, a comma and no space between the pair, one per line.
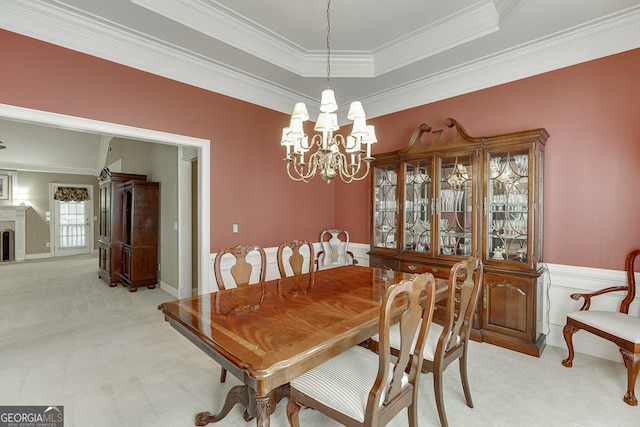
592,177
249,185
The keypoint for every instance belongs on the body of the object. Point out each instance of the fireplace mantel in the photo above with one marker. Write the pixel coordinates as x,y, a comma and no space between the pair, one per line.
16,214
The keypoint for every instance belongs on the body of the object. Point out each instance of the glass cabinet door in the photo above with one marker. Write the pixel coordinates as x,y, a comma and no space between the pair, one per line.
418,206
456,205
385,196
507,205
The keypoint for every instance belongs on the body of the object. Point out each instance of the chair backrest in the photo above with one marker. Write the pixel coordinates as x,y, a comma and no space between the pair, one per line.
629,266
292,262
335,249
465,284
241,269
415,319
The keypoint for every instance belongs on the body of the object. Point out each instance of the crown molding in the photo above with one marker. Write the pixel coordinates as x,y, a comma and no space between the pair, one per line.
221,23
72,29
615,34
469,24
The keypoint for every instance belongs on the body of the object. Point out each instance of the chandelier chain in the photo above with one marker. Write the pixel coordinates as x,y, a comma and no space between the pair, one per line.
328,42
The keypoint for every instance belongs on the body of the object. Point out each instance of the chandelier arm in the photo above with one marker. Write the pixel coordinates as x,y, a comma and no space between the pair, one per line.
344,167
298,169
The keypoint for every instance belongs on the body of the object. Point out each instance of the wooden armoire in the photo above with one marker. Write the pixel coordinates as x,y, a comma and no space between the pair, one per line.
128,236
140,234
110,224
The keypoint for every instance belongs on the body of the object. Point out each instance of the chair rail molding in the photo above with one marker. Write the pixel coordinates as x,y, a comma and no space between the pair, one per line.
359,251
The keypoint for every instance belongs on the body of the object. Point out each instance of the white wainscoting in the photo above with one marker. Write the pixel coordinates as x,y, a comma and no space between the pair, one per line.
359,252
559,283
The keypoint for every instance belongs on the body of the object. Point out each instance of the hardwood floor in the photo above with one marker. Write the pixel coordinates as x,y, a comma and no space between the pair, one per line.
110,359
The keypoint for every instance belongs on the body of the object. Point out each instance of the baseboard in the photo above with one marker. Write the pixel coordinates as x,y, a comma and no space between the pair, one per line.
169,289
38,256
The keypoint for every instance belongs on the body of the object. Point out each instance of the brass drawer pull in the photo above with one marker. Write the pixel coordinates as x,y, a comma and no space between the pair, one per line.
435,270
412,267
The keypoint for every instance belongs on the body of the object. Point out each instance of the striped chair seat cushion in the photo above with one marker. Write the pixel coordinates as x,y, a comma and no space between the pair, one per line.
344,382
615,323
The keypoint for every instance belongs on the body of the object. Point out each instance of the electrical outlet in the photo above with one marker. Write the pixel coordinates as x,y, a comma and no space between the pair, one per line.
234,228
47,245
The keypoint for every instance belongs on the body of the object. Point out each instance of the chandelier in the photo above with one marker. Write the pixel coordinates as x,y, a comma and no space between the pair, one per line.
328,159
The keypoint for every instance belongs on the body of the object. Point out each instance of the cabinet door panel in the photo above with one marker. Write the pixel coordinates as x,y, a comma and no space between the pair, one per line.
385,211
456,219
418,206
508,305
510,220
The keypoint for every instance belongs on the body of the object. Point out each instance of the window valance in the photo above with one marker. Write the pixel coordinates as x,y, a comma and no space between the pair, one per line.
71,194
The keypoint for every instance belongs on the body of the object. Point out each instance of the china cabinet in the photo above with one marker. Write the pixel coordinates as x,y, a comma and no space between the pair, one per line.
440,200
110,224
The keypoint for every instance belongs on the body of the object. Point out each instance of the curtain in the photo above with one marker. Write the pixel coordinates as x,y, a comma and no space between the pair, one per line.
71,194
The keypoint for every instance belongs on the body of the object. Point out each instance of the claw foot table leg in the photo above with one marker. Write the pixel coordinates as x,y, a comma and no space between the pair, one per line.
237,394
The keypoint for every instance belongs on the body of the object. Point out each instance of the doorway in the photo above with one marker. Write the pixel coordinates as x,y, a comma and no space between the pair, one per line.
202,147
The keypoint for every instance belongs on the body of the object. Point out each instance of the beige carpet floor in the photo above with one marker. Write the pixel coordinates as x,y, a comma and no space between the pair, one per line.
110,359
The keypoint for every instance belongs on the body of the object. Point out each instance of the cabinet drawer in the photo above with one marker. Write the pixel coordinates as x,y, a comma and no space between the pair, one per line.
382,262
413,267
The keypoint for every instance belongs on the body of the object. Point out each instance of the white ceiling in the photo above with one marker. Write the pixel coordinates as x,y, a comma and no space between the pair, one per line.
391,55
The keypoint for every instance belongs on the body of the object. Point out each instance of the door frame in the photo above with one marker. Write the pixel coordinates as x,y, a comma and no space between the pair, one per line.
80,124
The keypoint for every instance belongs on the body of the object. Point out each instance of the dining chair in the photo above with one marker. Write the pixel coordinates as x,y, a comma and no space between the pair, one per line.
449,341
335,249
292,262
358,387
240,271
619,327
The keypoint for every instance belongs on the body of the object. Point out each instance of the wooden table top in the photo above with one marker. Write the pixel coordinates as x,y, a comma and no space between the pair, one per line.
273,331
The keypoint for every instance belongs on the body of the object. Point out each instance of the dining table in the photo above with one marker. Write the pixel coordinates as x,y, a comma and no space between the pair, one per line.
268,333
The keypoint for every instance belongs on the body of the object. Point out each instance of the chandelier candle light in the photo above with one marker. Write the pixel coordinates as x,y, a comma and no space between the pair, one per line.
328,159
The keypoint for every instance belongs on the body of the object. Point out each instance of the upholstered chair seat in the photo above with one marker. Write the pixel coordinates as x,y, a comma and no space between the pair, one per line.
615,323
344,382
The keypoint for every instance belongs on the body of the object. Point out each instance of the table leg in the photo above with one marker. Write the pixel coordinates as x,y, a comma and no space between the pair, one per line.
263,406
263,411
258,407
238,394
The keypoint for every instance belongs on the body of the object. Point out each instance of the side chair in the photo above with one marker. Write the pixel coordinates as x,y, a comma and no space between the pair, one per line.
295,263
240,272
358,387
335,249
448,342
619,327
